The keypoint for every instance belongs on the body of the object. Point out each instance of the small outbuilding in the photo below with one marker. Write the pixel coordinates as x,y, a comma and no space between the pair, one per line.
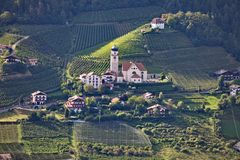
157,109
158,23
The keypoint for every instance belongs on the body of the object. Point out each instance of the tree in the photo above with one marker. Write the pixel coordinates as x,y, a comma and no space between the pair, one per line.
91,101
220,82
89,89
66,114
7,18
180,104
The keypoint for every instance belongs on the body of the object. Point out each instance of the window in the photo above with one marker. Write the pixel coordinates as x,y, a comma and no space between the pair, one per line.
134,72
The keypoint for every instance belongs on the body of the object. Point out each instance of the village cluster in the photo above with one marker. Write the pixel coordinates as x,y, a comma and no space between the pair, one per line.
131,72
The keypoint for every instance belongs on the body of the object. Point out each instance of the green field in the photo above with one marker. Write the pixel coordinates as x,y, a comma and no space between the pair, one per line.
111,133
119,15
230,123
9,133
195,101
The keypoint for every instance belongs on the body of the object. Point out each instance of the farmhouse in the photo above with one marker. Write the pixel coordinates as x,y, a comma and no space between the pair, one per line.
39,98
148,96
157,109
234,90
75,103
228,75
158,23
12,59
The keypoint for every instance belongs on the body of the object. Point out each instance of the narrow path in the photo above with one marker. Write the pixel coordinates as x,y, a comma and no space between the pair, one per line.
19,41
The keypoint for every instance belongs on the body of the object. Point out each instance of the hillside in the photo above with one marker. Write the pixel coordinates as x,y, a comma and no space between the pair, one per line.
172,52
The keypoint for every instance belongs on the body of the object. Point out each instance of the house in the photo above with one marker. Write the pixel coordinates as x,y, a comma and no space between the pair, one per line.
148,95
134,72
228,75
12,59
237,146
75,103
33,61
6,157
109,77
91,79
157,109
158,23
234,89
39,98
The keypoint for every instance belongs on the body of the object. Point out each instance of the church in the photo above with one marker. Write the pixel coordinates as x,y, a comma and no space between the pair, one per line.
131,72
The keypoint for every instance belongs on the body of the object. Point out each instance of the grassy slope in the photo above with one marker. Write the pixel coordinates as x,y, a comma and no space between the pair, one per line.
131,43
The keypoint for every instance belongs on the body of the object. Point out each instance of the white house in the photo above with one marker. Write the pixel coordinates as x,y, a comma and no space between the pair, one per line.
134,72
75,103
91,79
39,98
158,23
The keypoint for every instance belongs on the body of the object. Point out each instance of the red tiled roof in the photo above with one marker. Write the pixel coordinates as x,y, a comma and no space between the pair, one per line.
157,21
127,65
135,76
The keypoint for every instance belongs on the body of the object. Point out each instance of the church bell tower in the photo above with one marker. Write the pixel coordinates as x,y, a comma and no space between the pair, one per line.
114,59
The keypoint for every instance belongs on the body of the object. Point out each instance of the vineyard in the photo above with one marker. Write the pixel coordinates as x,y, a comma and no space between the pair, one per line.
86,64
119,15
54,42
230,123
9,133
47,137
111,133
42,79
191,67
86,36
167,40
129,44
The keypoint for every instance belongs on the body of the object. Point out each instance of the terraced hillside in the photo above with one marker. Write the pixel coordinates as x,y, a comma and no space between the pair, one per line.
86,64
118,15
42,78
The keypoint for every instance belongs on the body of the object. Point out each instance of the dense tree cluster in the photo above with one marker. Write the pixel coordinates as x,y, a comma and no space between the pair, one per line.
114,150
